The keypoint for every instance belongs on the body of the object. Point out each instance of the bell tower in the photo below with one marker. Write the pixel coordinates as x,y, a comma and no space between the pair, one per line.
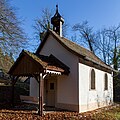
57,22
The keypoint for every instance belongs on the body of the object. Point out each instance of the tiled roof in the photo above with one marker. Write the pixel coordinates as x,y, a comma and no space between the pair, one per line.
74,48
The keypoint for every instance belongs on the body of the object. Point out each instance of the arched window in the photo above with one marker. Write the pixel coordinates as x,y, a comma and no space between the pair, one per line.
105,82
92,82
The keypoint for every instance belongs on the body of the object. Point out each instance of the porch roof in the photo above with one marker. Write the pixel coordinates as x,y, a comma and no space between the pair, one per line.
29,64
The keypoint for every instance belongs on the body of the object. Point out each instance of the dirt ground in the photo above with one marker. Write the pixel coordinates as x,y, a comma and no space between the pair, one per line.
26,112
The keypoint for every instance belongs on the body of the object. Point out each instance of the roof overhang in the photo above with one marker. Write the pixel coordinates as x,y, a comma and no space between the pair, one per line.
29,64
87,61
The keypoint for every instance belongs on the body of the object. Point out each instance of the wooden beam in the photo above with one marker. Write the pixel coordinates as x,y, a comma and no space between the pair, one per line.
39,95
41,89
42,93
36,77
39,79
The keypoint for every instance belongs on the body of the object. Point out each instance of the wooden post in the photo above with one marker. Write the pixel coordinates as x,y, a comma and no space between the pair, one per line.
41,94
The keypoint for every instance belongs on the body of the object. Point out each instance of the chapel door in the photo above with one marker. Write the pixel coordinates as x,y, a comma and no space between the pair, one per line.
51,92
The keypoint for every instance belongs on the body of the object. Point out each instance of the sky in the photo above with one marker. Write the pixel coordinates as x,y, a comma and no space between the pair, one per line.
99,13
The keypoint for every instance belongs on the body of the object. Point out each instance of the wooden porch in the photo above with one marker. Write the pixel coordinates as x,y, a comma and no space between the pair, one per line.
37,66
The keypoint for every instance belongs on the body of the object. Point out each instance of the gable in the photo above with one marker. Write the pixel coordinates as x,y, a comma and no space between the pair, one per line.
52,46
25,66
29,63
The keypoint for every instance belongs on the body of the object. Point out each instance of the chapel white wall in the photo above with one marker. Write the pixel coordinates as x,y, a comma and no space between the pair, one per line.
74,89
92,99
67,86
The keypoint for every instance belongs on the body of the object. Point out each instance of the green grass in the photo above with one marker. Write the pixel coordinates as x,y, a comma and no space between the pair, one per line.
117,115
112,114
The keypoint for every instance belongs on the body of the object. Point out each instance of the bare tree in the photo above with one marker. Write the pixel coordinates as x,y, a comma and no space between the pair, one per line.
12,37
103,45
114,33
86,34
6,61
44,22
108,42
